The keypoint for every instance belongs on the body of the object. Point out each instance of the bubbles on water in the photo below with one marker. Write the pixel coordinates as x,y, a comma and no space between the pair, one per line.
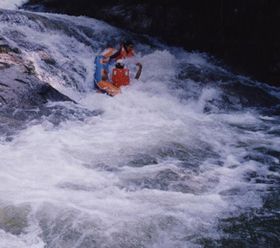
11,4
157,166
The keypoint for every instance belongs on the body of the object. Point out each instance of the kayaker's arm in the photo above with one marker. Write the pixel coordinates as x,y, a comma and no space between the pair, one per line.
115,55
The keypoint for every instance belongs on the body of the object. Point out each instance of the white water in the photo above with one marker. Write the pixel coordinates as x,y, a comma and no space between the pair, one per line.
77,180
11,4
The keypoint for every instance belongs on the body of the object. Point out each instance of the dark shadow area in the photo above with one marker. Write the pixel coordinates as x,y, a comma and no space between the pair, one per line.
244,34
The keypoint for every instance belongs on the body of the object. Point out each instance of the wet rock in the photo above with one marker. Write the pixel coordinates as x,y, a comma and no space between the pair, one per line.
19,85
21,91
47,58
21,88
6,48
141,160
14,219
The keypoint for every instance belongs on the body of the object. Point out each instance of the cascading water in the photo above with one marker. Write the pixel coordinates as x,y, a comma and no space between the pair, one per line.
186,157
11,4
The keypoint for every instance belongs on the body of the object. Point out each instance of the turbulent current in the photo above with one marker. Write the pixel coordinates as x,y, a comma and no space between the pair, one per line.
188,156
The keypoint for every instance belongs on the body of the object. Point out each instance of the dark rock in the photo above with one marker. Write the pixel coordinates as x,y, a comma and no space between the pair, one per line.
22,94
49,93
6,48
21,88
49,61
242,33
19,85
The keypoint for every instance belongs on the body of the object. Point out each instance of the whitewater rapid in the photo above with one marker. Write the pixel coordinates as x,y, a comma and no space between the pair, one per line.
11,4
156,166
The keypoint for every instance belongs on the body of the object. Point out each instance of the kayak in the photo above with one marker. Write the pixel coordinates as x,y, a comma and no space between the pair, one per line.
100,68
108,88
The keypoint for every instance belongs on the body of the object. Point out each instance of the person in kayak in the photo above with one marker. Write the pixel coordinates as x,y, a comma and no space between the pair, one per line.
120,74
126,50
109,56
120,77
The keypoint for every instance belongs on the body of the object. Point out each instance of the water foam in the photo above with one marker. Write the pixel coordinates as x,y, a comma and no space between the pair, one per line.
11,4
151,170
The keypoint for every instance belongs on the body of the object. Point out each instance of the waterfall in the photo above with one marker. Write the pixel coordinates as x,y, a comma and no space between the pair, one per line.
175,160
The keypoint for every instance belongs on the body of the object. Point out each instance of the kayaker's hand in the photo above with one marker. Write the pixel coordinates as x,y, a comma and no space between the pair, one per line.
105,60
139,64
139,70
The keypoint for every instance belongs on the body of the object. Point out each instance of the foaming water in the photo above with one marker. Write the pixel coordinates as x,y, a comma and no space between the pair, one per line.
160,165
11,4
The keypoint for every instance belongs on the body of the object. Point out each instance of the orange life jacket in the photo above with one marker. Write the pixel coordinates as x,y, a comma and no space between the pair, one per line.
120,77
